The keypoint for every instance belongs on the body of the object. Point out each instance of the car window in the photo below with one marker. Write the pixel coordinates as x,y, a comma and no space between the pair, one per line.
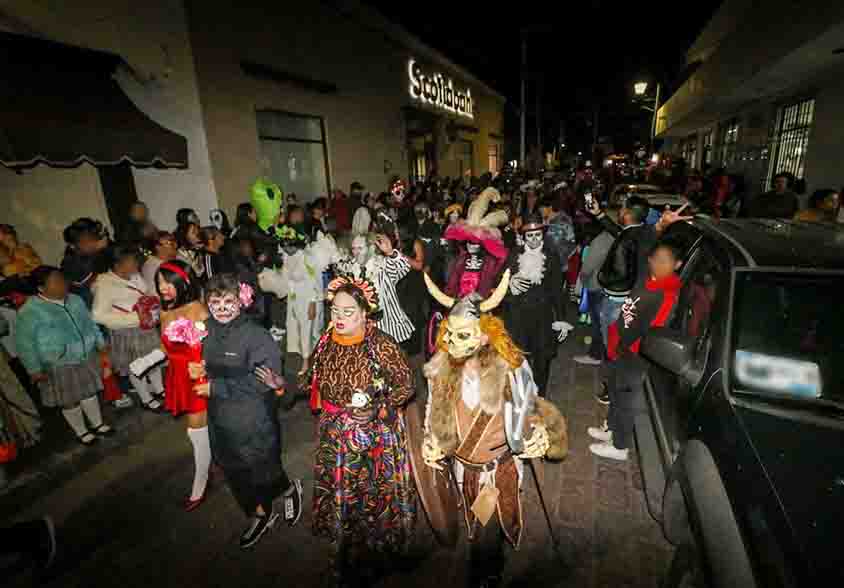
704,284
787,335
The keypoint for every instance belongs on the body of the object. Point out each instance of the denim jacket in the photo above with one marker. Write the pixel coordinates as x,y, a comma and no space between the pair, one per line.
48,334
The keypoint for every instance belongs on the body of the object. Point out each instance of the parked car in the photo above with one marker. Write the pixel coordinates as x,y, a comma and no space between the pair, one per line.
741,445
657,197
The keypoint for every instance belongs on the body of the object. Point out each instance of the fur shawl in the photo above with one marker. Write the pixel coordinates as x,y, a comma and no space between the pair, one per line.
445,381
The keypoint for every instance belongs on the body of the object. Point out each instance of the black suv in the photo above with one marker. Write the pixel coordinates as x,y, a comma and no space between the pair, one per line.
742,443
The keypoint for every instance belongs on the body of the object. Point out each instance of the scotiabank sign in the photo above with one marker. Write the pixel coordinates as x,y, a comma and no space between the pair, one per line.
438,91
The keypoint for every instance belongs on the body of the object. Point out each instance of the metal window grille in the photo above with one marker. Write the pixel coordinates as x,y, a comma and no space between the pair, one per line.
729,141
791,140
707,148
495,158
691,152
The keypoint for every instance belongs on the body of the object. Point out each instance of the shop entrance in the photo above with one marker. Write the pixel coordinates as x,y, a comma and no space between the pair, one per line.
422,138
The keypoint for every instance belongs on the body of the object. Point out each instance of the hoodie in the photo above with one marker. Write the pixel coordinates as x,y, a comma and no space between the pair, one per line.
648,305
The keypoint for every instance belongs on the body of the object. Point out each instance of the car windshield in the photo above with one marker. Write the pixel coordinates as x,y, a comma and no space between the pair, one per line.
787,335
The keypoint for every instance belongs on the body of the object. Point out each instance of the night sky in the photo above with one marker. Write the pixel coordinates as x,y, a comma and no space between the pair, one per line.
583,54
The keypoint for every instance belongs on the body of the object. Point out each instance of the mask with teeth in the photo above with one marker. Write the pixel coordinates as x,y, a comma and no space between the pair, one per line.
534,239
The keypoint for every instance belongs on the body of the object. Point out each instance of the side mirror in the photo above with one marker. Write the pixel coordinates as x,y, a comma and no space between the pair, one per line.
671,350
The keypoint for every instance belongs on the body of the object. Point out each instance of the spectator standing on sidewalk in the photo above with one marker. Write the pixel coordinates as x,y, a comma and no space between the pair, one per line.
57,341
780,202
596,254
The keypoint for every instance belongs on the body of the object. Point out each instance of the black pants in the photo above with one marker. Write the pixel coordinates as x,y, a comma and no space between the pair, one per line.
597,349
540,366
486,552
626,390
250,495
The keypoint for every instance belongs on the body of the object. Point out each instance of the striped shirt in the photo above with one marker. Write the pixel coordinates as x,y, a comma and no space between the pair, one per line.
386,272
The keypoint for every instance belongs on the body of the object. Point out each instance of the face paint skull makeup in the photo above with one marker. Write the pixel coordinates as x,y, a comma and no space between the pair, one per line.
534,239
359,249
224,309
473,248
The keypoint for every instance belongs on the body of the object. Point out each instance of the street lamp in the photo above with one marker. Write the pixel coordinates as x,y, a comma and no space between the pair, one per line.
640,88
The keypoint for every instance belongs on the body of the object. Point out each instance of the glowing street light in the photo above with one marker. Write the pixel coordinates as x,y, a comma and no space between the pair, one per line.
640,88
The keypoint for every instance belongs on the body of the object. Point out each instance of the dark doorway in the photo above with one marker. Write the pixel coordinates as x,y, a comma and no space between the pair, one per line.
119,192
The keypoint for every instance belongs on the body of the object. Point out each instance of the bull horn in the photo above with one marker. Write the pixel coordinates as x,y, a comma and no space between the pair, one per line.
438,294
498,294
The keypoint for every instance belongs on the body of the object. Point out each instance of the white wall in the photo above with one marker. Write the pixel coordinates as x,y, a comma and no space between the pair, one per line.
825,158
41,202
152,38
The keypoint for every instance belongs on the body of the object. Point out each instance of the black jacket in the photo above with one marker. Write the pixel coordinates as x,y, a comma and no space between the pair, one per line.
627,261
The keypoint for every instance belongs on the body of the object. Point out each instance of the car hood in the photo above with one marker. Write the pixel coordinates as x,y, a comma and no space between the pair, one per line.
802,453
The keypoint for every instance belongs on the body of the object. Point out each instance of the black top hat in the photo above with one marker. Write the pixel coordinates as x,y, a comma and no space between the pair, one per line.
533,222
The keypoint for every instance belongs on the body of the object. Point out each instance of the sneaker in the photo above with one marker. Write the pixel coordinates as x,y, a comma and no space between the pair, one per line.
124,402
604,396
292,501
608,451
601,433
256,529
586,360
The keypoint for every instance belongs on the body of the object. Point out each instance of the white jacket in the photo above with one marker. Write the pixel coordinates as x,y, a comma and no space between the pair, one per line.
115,298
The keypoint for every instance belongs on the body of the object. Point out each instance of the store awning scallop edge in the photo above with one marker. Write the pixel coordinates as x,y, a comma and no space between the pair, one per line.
60,105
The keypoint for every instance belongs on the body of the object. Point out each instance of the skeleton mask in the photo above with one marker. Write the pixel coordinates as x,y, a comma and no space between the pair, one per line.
359,249
224,308
463,336
473,248
534,239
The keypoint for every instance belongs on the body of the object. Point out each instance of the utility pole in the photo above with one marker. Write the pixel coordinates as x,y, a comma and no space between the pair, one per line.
524,103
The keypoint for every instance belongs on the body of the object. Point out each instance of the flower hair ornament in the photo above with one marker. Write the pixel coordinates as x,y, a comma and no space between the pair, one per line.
366,287
246,294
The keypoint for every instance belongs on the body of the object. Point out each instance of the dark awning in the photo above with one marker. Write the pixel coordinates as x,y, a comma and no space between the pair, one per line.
60,105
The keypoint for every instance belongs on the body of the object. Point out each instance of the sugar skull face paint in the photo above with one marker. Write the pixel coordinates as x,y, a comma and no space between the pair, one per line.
224,309
473,248
534,239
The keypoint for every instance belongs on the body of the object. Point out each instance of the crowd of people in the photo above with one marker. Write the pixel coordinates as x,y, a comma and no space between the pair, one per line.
201,321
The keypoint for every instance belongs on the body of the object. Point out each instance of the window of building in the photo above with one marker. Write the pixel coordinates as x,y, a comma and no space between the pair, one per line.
294,146
791,140
707,149
729,141
464,158
495,157
691,152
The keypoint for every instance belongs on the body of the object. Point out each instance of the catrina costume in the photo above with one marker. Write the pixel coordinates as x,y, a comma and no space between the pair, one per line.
364,496
483,418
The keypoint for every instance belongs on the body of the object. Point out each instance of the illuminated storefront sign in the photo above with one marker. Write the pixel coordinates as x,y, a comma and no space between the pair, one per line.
439,92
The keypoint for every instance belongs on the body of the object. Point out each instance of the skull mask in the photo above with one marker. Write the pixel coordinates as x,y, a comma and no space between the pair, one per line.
534,239
359,249
473,248
463,336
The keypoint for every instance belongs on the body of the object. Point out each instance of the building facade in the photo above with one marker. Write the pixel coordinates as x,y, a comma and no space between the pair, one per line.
765,94
312,96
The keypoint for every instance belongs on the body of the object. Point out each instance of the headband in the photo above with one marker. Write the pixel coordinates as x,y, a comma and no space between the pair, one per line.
176,270
365,286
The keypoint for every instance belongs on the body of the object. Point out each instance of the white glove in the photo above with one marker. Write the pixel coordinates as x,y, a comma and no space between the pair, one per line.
431,453
562,328
538,444
519,285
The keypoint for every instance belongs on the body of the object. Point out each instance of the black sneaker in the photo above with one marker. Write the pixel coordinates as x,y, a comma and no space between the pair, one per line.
604,396
292,501
256,529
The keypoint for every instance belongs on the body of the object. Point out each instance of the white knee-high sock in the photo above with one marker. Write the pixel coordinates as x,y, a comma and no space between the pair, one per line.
202,460
142,388
91,408
74,418
155,383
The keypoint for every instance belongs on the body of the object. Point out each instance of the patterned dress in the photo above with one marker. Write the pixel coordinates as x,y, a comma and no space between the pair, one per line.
364,493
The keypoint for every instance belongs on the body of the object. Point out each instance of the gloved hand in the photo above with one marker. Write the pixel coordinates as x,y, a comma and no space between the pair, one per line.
519,285
431,453
538,444
562,328
269,378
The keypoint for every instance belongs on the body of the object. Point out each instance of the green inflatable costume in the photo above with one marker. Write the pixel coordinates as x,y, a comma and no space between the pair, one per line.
266,199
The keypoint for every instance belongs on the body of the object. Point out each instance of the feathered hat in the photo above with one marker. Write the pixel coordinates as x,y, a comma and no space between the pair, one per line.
481,227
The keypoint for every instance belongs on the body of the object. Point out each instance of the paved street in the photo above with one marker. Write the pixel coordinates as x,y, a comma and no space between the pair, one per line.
118,511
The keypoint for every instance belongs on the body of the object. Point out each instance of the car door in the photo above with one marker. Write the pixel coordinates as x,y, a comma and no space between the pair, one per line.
703,299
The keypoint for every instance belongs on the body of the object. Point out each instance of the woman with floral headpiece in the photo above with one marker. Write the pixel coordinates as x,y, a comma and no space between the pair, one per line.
359,378
241,361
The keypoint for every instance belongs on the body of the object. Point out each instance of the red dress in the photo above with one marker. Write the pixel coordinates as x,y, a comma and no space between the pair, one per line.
179,397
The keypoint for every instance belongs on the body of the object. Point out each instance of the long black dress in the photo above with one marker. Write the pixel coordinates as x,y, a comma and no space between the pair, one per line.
528,316
242,422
